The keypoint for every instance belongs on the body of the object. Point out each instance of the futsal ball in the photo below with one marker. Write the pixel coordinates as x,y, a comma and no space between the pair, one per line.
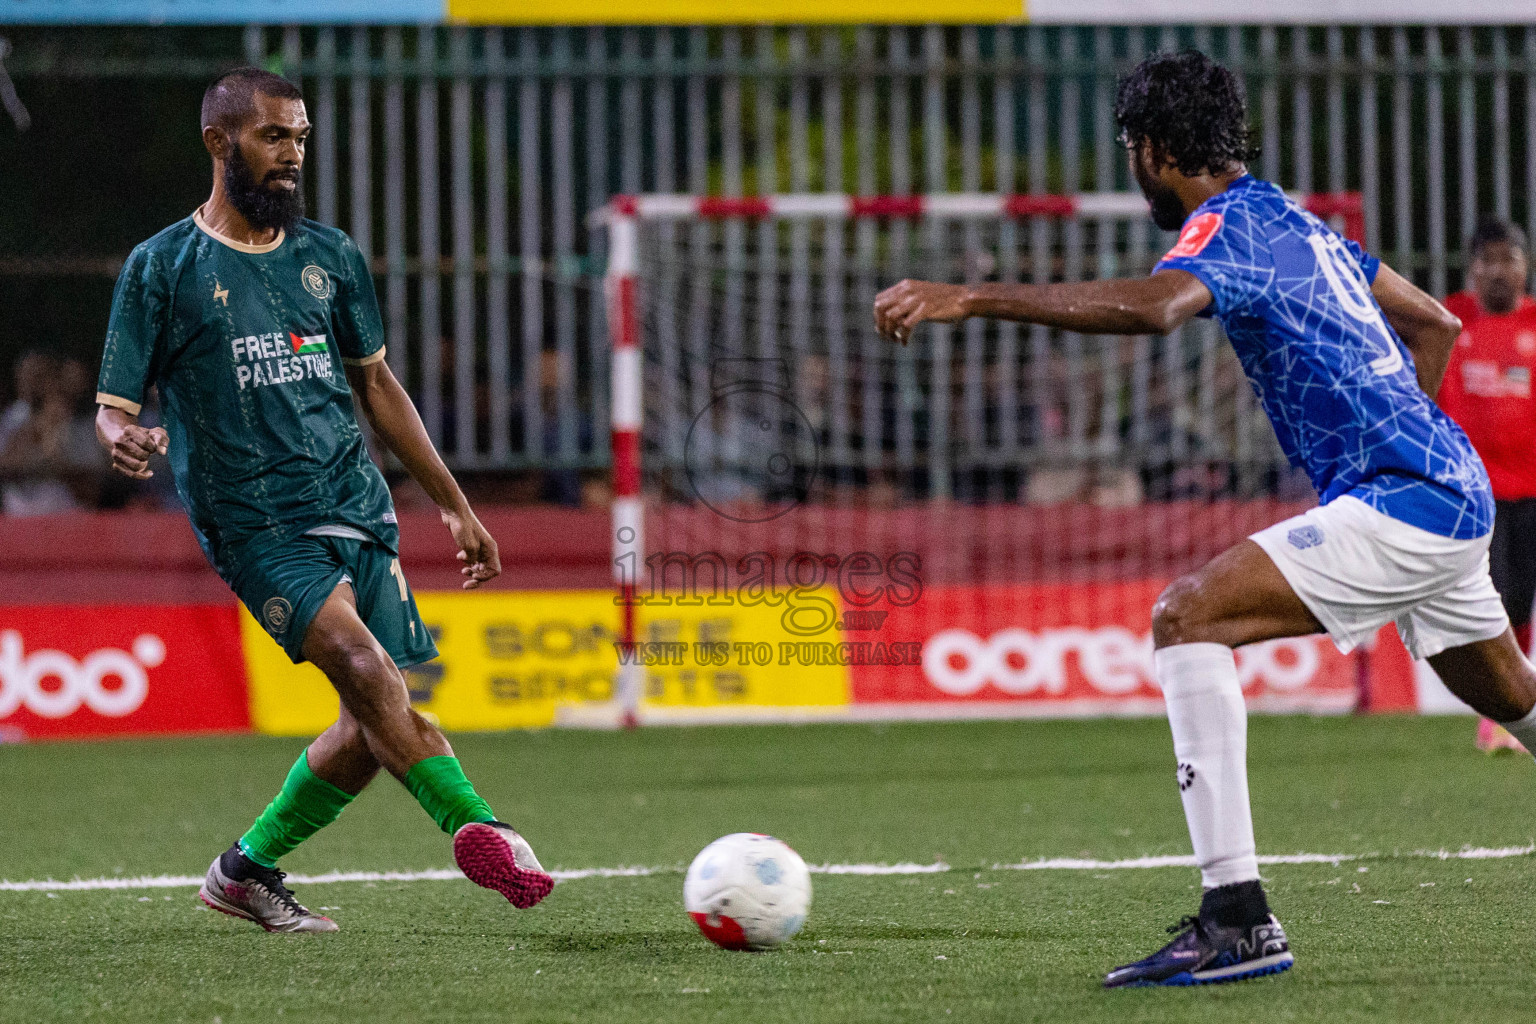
747,891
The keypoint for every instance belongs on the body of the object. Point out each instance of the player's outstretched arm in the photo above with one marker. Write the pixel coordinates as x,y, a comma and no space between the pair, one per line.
394,418
1139,305
129,444
1426,327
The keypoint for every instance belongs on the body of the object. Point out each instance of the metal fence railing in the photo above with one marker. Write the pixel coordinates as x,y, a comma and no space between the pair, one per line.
465,160
755,360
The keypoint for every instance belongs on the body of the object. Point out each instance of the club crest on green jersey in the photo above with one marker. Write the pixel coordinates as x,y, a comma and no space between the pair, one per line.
278,613
316,281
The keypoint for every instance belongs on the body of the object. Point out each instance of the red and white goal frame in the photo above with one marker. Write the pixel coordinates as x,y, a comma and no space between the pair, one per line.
624,216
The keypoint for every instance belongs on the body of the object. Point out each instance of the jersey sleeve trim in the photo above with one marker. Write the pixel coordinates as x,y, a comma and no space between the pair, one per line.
366,360
131,408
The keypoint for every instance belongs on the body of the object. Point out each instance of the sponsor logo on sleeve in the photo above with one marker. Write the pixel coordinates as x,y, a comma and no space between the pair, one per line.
1197,234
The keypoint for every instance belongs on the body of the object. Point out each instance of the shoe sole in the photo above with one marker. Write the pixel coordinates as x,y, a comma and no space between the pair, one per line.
486,858
1275,964
214,903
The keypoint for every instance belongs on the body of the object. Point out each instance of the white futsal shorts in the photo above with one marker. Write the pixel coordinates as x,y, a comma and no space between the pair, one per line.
1357,570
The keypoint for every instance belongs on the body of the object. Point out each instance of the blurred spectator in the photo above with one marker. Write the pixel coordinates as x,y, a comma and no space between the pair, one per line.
49,459
1083,435
1487,389
562,486
552,482
79,382
32,372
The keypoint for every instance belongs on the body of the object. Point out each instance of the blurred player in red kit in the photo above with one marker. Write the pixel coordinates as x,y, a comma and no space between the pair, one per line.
1488,391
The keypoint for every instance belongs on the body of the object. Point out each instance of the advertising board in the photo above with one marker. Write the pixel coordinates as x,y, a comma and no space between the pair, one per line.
72,671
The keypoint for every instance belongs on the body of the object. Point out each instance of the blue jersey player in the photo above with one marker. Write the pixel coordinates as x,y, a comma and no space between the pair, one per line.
1346,356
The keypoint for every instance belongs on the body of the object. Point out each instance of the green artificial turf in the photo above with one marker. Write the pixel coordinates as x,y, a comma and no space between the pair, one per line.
1392,937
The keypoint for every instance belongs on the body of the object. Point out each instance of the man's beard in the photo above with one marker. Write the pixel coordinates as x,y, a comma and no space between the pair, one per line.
1498,298
262,205
1167,209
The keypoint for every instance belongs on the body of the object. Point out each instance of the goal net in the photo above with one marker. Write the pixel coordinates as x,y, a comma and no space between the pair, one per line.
813,521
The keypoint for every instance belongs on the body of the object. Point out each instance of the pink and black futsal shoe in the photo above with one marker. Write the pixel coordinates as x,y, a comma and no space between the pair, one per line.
493,855
1493,738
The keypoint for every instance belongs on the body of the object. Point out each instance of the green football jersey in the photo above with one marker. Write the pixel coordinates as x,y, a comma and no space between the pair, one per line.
246,345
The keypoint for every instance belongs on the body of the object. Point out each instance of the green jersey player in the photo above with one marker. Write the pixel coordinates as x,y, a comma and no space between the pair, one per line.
262,333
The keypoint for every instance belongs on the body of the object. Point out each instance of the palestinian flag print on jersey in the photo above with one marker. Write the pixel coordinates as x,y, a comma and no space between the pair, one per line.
309,343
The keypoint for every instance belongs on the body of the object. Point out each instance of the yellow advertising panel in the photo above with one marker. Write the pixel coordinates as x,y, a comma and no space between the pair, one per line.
750,12
734,653
510,659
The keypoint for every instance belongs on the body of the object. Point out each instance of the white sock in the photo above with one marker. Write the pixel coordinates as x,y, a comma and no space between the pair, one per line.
1524,730
1210,740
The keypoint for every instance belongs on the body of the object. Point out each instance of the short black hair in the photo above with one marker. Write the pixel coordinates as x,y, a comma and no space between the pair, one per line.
1497,229
1191,110
228,99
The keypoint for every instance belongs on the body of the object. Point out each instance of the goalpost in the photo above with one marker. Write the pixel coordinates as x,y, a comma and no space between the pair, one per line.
1033,487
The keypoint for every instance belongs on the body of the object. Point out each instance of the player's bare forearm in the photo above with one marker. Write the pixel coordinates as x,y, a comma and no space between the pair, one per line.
394,418
1426,327
129,444
1143,305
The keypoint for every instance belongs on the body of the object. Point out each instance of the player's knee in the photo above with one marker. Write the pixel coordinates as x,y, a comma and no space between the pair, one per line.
1514,695
1178,616
361,676
366,663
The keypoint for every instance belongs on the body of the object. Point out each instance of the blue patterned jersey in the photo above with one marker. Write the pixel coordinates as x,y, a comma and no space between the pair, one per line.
1337,383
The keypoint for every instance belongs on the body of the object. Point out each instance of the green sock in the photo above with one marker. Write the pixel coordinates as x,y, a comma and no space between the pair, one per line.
439,785
305,805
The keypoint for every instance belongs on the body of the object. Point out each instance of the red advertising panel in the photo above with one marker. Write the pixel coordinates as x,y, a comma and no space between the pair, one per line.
1064,649
69,671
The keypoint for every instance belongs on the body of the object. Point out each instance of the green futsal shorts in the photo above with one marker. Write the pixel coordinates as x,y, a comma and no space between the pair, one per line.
285,584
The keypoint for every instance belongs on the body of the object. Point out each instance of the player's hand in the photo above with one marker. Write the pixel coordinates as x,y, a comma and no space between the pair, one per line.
477,548
134,446
906,304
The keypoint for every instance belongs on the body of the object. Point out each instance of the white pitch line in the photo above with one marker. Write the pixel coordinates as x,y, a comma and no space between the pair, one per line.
879,869
906,868
1480,853
1079,864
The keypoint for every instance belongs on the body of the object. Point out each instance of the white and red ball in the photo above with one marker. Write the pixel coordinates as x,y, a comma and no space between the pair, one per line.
747,891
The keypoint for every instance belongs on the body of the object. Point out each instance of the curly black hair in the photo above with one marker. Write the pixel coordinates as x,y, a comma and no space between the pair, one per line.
1190,109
